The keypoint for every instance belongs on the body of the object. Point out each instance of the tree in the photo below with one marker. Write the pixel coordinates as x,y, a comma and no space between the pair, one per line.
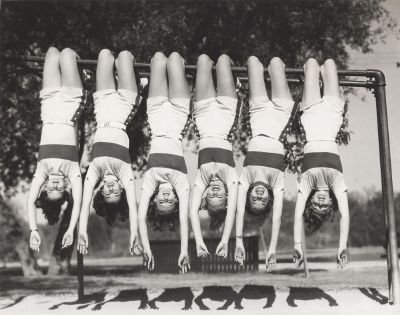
293,30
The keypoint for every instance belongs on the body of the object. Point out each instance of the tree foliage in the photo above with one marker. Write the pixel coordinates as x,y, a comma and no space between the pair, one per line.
293,30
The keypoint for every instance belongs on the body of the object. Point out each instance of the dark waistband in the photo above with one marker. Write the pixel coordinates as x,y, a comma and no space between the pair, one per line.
218,155
172,161
109,149
267,159
58,151
321,159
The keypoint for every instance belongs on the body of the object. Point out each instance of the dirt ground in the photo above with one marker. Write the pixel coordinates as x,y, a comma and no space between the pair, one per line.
122,286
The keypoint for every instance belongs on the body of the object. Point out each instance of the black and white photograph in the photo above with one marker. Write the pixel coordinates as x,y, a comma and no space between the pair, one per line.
199,157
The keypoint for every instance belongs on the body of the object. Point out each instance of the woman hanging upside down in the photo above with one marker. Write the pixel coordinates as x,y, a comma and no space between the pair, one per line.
164,198
58,166
321,191
214,114
111,165
262,182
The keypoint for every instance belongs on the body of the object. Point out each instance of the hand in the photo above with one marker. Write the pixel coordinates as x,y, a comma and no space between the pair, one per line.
148,258
341,258
298,255
134,247
183,263
222,249
202,250
34,240
240,253
83,243
68,238
270,260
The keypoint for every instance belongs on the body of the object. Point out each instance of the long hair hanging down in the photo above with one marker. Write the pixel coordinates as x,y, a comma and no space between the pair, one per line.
268,208
313,218
110,211
159,221
52,208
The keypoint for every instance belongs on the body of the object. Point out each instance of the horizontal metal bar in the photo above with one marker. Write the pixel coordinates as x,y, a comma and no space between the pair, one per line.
241,71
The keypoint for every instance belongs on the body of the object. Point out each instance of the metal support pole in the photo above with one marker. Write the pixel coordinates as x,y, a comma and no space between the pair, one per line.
81,292
387,183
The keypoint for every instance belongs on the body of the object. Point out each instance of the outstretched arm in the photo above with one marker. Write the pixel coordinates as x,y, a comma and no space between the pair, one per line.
34,190
197,193
194,213
222,249
276,220
142,214
344,227
88,190
130,191
241,207
276,224
77,197
184,230
298,228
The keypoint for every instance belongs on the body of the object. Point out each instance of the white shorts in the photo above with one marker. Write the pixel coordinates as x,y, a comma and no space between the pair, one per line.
215,116
322,120
269,118
113,105
59,104
167,117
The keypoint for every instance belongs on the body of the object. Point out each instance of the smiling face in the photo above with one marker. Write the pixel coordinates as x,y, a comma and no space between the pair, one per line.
55,187
111,189
321,200
216,195
165,199
259,198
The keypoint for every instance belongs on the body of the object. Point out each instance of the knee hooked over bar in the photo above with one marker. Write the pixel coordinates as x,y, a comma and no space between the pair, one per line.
52,53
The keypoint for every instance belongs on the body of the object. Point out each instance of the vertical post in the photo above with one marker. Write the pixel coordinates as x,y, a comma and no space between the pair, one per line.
79,258
387,184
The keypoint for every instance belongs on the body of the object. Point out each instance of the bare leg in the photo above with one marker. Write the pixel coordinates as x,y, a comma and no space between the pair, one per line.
256,78
105,71
126,75
204,80
69,69
158,75
225,81
178,86
311,92
51,70
279,85
330,78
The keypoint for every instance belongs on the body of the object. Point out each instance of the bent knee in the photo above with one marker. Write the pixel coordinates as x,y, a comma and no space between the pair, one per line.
158,56
174,56
276,62
329,64
253,61
224,60
125,55
204,59
105,54
311,62
52,52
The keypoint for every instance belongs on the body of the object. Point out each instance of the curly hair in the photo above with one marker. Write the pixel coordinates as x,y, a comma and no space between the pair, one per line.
160,221
110,211
268,208
52,208
314,218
